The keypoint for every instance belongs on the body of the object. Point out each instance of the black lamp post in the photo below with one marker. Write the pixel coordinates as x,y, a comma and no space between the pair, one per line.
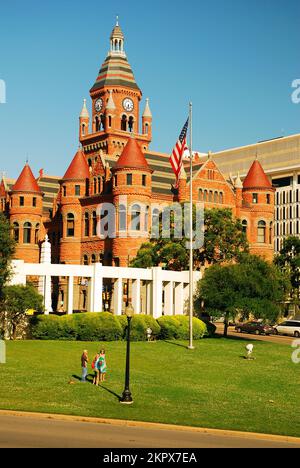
126,396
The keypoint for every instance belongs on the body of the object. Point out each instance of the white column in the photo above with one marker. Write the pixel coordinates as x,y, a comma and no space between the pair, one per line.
70,294
168,306
118,296
157,286
186,294
45,281
148,298
97,288
136,296
179,300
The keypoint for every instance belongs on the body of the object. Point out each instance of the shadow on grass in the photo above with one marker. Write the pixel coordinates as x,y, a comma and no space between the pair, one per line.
112,392
89,378
238,338
175,344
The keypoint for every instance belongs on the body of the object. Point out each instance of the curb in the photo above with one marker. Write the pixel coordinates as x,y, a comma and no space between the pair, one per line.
149,425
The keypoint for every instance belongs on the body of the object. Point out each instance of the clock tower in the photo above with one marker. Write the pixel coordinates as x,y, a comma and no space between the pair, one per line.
116,101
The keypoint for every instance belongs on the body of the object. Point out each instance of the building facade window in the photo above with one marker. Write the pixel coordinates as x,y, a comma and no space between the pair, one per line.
27,233
70,225
85,260
94,223
129,179
255,198
21,201
122,218
245,226
86,224
34,202
144,180
16,232
261,232
36,234
136,218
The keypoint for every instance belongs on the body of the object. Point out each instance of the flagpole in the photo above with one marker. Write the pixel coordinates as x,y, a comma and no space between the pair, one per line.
191,286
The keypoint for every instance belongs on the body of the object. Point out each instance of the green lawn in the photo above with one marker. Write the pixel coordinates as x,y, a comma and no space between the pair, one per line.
212,386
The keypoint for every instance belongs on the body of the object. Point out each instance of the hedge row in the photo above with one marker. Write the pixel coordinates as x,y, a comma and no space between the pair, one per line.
107,327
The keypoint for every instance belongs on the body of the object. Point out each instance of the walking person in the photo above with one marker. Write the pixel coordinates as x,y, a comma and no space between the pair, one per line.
84,365
102,365
96,370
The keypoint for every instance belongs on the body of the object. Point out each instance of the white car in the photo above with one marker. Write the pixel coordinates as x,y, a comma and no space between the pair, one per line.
290,327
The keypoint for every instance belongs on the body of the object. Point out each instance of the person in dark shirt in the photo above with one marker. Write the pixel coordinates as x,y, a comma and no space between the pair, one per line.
84,365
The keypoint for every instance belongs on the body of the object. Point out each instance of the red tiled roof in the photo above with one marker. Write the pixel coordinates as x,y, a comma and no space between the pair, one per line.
78,168
132,157
26,182
256,177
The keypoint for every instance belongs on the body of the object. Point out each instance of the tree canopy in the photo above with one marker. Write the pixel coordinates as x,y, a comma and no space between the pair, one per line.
252,286
224,241
289,261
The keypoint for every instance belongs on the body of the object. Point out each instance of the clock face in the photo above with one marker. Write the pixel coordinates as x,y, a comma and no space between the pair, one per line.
128,104
98,105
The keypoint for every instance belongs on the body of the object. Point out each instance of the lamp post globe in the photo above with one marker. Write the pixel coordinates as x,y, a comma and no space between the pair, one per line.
126,396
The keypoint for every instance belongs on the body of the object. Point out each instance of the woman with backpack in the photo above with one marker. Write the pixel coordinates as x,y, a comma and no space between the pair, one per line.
96,369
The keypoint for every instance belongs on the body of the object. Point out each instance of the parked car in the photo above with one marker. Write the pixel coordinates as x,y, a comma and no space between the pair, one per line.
259,328
289,327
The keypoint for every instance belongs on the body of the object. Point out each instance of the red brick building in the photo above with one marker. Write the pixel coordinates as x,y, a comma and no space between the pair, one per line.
114,162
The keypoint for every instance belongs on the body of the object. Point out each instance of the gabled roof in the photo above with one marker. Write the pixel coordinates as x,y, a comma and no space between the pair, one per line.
26,182
78,168
132,157
256,177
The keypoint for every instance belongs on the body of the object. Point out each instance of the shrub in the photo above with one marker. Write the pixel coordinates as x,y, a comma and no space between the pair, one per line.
139,325
211,328
83,327
177,328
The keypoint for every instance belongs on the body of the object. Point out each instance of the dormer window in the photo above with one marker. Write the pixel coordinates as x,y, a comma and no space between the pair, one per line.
255,198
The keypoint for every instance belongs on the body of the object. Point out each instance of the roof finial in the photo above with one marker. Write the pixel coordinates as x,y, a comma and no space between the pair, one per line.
117,22
27,159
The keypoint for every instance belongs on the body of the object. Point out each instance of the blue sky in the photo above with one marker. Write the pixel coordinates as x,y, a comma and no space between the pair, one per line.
234,59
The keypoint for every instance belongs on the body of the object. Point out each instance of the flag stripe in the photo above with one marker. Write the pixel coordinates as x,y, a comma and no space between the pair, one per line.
177,153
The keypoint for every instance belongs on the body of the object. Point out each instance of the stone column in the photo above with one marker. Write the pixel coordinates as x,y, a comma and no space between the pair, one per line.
118,296
168,306
179,300
70,294
157,286
45,281
136,296
97,289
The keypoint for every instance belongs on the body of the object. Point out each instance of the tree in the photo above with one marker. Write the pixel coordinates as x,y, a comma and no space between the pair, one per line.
252,286
18,300
7,248
289,261
224,241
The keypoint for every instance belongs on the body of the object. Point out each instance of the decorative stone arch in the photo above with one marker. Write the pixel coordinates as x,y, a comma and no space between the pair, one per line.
261,231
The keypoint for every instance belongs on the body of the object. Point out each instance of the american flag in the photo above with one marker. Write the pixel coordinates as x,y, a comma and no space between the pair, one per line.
177,153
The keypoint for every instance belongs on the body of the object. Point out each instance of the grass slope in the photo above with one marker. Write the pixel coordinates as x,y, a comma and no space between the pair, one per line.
212,386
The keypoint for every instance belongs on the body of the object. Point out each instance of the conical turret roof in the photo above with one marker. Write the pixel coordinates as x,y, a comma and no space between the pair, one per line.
132,157
26,182
256,177
78,168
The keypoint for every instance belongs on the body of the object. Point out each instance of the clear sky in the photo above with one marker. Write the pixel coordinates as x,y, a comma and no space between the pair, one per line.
234,59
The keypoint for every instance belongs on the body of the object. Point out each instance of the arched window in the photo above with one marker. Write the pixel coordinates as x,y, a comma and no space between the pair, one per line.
16,232
109,120
99,184
102,122
95,185
200,195
70,225
122,218
205,196
130,123
271,233
136,217
146,218
97,123
221,197
146,128
94,223
36,234
85,260
216,197
124,123
245,225
83,130
86,224
93,260
261,232
27,233
210,196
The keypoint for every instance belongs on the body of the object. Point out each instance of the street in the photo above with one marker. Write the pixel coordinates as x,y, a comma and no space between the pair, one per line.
42,432
280,339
